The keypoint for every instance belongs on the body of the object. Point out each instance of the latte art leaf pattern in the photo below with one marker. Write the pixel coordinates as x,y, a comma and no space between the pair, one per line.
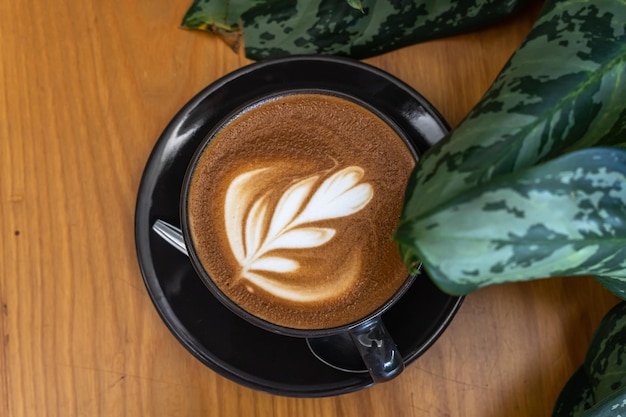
255,228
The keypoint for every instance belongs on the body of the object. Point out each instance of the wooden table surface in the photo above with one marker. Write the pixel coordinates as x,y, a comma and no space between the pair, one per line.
85,90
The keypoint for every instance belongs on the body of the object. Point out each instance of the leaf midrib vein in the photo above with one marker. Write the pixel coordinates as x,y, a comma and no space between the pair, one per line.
539,122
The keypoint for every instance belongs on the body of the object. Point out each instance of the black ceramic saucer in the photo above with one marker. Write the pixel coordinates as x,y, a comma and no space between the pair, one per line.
225,343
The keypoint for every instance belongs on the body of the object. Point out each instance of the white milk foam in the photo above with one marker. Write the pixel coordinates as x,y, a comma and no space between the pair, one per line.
256,230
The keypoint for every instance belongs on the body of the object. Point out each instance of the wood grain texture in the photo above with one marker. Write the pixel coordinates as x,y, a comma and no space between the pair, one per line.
85,90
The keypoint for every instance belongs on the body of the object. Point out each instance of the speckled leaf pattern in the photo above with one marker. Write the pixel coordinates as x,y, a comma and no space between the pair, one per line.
358,29
563,89
562,218
576,397
598,388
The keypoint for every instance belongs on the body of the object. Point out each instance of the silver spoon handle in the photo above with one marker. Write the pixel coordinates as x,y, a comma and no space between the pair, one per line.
171,234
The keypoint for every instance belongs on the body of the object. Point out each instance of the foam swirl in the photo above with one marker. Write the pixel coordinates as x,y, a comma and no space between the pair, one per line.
256,229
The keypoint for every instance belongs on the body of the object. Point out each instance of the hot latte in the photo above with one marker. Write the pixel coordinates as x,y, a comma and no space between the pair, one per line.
291,209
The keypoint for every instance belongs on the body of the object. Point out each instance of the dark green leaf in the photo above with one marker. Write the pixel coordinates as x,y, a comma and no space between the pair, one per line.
616,286
565,217
218,17
576,396
206,13
612,406
598,388
287,27
563,89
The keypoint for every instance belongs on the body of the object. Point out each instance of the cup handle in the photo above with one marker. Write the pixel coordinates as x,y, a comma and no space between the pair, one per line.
378,350
376,347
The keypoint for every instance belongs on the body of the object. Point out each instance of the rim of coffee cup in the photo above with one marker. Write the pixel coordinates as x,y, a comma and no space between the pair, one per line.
205,276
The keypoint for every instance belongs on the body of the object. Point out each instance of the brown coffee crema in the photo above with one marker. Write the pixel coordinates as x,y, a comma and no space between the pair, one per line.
292,208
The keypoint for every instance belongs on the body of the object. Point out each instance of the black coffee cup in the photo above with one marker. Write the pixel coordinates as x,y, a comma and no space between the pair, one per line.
377,348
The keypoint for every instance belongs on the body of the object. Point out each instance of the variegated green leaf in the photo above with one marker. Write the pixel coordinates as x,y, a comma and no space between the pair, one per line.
565,217
605,362
203,14
563,89
612,406
219,17
616,286
576,397
355,28
598,388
